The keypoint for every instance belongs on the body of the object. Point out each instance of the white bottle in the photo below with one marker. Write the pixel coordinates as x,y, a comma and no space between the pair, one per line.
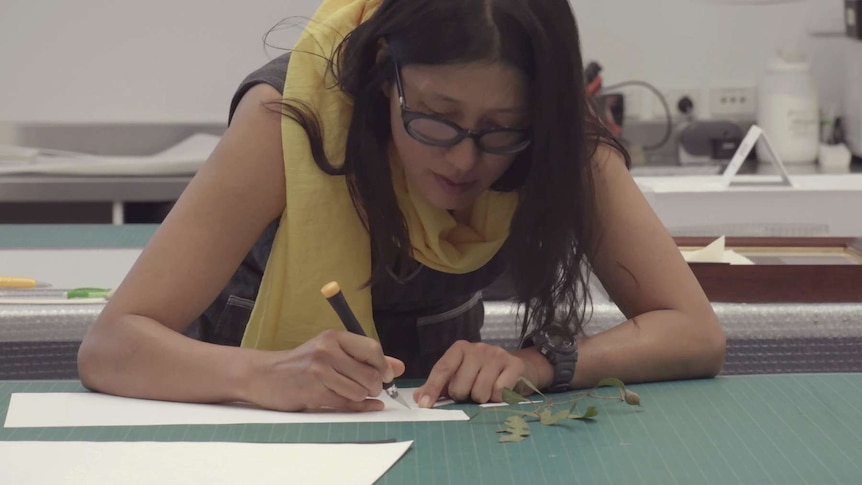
788,110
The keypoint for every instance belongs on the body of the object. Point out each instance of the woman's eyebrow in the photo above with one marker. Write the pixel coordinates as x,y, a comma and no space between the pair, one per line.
448,99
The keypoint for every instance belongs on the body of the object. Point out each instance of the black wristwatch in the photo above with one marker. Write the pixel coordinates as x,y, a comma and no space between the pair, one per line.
561,350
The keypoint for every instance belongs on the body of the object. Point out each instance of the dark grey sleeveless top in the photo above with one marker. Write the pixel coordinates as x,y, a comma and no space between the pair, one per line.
417,321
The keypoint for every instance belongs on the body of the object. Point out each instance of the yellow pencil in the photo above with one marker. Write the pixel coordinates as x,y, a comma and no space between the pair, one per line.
16,282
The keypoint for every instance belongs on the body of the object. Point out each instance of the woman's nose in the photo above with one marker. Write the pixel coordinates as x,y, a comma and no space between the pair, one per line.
464,155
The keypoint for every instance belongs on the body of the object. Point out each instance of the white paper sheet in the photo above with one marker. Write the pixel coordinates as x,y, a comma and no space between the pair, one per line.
53,410
182,463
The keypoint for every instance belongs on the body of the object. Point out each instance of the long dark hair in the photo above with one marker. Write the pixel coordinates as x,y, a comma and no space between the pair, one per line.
554,226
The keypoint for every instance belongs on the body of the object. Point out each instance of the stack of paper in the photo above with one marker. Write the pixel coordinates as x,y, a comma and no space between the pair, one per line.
186,463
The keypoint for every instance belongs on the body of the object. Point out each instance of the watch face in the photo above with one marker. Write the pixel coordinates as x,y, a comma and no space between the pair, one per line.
557,339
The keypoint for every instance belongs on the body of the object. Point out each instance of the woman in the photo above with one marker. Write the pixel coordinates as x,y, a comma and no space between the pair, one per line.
416,151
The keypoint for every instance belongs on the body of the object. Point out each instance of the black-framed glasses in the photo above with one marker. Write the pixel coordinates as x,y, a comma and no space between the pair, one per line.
439,132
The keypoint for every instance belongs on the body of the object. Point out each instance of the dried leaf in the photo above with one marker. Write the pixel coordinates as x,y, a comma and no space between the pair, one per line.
552,419
591,413
517,424
517,428
574,406
632,398
531,386
519,412
512,397
613,382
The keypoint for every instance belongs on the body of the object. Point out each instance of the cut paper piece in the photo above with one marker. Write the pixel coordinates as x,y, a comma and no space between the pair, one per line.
58,410
445,401
715,253
184,463
503,404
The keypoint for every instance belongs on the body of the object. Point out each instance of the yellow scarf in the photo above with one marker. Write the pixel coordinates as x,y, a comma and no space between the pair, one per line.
321,237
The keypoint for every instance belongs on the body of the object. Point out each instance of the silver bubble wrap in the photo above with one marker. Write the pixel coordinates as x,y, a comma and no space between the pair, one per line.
40,342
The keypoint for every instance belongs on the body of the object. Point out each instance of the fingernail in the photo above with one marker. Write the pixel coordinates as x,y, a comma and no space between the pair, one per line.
389,375
425,402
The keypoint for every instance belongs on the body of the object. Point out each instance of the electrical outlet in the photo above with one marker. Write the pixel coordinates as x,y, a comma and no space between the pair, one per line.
673,96
738,102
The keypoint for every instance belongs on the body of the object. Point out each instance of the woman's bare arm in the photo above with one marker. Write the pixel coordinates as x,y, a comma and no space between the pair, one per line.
671,331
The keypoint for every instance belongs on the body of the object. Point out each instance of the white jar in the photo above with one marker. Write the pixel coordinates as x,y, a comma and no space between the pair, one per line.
788,110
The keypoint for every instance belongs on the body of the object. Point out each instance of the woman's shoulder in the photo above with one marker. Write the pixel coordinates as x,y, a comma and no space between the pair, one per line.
272,73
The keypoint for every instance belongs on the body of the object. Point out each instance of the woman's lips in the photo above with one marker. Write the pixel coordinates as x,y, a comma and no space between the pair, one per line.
452,187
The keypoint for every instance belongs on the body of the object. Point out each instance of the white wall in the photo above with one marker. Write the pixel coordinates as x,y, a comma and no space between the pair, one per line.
132,61
711,43
180,60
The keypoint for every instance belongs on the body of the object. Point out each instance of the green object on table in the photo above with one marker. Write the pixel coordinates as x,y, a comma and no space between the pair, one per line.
74,236
88,293
784,428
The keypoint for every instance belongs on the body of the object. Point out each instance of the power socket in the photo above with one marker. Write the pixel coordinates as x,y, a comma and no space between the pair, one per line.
673,96
736,102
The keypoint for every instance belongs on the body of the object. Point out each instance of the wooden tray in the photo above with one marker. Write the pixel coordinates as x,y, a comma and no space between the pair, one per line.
786,270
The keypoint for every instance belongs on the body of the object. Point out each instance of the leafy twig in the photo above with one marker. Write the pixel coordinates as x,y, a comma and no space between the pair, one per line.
547,412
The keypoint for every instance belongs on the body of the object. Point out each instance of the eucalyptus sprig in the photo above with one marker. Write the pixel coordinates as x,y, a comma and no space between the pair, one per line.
552,411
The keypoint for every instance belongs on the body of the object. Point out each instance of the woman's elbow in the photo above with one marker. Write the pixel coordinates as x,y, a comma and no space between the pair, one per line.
87,369
712,346
92,359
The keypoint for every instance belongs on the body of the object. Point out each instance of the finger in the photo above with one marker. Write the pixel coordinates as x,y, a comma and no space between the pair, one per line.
346,386
331,400
396,365
365,406
507,378
368,378
366,350
461,384
327,358
483,385
439,377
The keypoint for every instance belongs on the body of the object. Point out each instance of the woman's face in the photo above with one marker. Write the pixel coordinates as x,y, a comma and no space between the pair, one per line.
475,96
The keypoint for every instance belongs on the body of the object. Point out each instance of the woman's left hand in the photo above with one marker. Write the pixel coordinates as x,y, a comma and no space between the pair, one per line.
474,371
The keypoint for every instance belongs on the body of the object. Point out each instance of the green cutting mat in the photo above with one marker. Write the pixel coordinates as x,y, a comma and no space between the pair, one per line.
74,236
783,429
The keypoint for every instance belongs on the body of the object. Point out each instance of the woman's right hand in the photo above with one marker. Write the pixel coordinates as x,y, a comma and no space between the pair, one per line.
336,369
